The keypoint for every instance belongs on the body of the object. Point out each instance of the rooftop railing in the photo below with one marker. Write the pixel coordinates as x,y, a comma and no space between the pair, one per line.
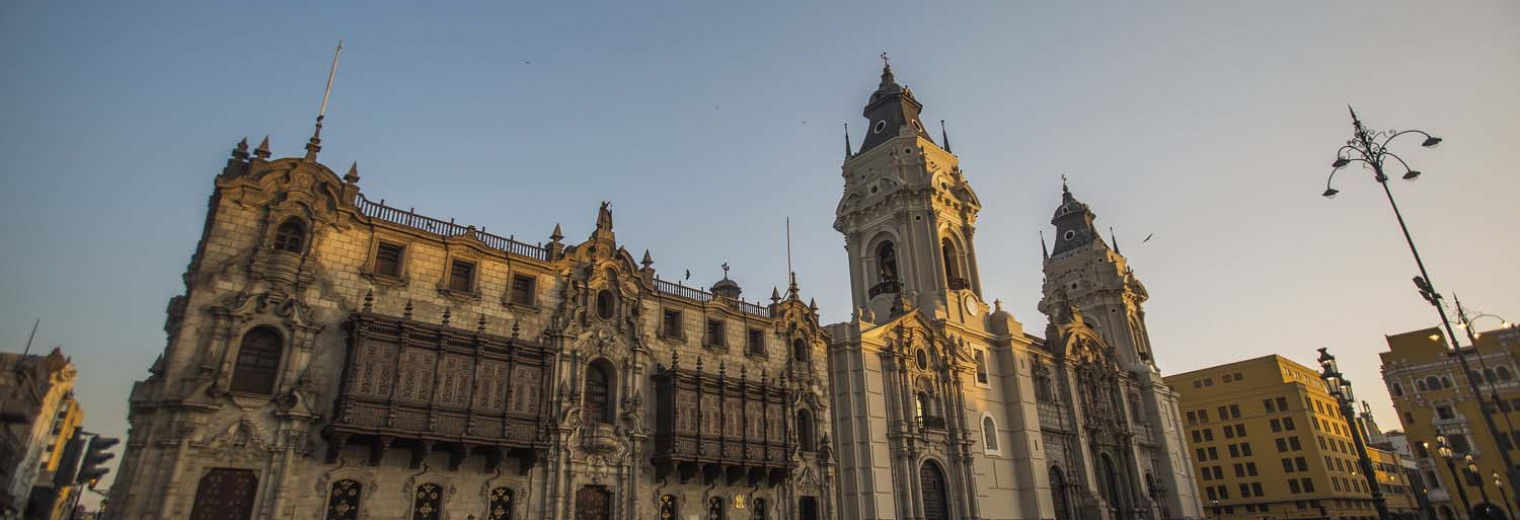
411,219
692,293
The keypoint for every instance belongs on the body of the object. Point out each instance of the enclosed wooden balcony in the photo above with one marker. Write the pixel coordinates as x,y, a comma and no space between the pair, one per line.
721,428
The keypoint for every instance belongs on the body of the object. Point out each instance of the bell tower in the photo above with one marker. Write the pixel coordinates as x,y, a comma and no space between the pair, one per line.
1082,272
907,213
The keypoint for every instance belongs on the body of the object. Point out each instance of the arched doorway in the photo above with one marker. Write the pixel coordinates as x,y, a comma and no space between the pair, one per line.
936,492
1111,489
225,494
1058,494
593,503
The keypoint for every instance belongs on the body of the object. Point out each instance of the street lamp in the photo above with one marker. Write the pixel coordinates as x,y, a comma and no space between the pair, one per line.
1215,503
1499,485
1444,450
1340,388
1371,149
1472,468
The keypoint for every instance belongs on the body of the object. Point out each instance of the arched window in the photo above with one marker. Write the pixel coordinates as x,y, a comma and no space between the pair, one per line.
258,361
981,367
1419,384
668,509
1433,383
1445,382
427,502
343,500
501,504
805,430
605,304
952,260
921,405
886,262
799,350
290,236
758,509
1504,374
1058,494
1488,375
989,434
597,401
1398,389
715,508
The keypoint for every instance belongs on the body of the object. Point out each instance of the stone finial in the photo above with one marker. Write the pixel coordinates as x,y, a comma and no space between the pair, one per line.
516,327
813,304
408,311
775,296
675,360
352,177
448,312
262,151
240,152
481,326
647,261
557,234
699,364
722,368
369,300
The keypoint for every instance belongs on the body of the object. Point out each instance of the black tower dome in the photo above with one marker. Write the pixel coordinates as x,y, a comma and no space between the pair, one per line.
891,107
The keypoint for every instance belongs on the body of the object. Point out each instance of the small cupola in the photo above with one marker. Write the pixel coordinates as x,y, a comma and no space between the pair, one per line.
727,288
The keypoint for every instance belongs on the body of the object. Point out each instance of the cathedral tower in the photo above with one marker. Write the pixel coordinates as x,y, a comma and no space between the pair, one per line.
907,213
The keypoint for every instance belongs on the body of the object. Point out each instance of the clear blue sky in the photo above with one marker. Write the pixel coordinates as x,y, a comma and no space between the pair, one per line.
1209,124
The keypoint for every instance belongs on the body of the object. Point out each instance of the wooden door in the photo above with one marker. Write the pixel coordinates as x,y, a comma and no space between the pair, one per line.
593,503
225,494
807,508
936,502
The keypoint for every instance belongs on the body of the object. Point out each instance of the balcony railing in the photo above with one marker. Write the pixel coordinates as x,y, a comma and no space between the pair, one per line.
929,421
411,219
692,293
957,283
885,287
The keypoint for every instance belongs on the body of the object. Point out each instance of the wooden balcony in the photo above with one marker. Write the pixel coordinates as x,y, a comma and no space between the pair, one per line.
427,387
721,428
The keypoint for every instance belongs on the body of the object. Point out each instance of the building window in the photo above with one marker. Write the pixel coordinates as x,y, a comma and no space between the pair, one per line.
886,260
290,237
799,350
756,344
758,509
606,303
989,434
597,404
668,509
428,502
805,430
981,367
1444,412
258,361
715,509
501,504
952,265
1504,374
462,276
1398,390
388,259
343,500
1432,383
672,324
1282,404
1245,449
524,290
716,335
1287,423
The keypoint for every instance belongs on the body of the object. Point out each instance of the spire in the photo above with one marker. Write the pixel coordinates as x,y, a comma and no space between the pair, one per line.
1045,253
890,109
240,152
647,261
944,135
262,151
353,174
847,152
315,144
1113,238
1074,223
557,234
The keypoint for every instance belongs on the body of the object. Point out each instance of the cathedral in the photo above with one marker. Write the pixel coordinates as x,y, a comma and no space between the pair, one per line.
334,357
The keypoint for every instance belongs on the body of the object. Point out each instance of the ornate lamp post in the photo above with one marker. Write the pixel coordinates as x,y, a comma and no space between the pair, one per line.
1371,149
1472,468
1340,387
1215,503
1499,485
1444,451
1466,324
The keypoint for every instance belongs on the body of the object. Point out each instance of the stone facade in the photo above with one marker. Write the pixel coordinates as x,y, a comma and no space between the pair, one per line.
944,406
337,358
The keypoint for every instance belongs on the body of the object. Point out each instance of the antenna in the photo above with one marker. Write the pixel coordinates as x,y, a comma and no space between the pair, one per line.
789,244
31,337
315,145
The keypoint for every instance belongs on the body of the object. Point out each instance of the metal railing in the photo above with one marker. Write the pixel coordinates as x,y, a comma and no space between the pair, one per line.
958,283
411,219
885,287
692,293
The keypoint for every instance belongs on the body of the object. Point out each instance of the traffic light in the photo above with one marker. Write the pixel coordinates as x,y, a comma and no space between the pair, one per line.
94,456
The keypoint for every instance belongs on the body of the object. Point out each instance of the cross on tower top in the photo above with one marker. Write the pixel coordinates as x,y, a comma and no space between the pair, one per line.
885,62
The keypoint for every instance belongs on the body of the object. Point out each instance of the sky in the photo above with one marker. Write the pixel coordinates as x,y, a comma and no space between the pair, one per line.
1208,126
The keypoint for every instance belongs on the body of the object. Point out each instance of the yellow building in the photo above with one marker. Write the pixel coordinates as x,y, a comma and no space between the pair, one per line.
1269,441
1433,398
66,422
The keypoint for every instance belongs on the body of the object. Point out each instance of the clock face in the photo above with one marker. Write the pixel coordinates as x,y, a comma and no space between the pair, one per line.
972,306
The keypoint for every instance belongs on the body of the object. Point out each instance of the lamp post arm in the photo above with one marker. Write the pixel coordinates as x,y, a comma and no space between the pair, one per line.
1397,134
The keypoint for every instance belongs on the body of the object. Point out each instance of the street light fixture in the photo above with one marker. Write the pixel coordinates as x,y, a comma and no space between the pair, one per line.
1472,467
1340,388
1499,485
1443,449
1371,149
